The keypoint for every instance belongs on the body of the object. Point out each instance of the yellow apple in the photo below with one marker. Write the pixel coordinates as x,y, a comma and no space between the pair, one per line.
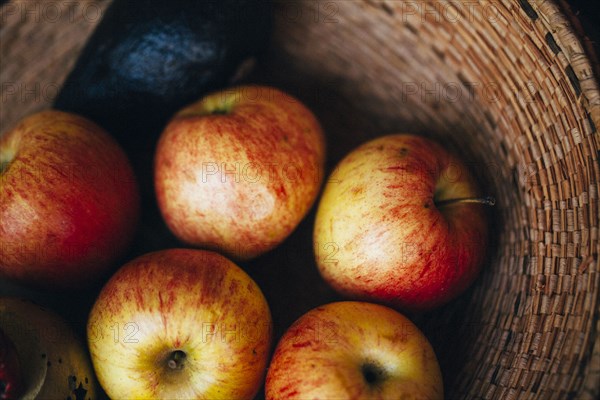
53,361
180,324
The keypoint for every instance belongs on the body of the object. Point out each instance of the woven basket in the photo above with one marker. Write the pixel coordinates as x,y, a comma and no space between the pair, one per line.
505,83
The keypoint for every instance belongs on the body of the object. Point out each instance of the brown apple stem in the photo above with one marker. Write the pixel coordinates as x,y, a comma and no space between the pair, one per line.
5,161
488,201
8,152
176,359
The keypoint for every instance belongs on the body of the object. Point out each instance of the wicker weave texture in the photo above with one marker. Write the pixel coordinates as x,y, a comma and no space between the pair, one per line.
507,84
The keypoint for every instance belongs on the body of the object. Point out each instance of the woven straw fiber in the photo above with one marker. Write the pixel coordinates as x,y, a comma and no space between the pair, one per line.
505,83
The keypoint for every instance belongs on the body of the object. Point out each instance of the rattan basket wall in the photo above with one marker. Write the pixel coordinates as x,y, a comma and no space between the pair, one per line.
507,84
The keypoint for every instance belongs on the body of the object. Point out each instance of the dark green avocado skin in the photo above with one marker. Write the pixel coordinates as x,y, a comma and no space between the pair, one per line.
149,58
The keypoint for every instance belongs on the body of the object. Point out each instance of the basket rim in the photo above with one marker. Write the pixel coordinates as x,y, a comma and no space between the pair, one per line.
592,49
567,31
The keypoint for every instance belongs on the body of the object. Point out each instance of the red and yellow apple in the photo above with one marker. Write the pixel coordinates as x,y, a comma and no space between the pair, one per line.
237,171
180,324
401,222
68,201
354,350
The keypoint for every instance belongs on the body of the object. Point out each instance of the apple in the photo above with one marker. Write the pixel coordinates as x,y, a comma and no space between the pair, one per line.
10,369
237,171
354,350
51,361
180,324
68,201
401,222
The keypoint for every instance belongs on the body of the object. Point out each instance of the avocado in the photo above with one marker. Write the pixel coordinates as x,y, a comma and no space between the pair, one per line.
148,58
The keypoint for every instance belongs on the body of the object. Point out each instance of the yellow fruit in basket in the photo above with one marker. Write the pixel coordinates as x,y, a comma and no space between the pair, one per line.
53,361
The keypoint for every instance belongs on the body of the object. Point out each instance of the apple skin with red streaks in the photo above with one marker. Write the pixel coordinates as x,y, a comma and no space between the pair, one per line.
69,201
190,325
354,350
237,171
388,229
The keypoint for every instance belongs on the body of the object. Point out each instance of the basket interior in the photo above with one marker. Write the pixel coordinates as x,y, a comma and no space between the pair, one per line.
496,83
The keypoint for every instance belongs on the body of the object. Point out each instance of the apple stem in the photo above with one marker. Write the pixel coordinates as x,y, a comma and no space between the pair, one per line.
488,201
176,359
5,160
219,111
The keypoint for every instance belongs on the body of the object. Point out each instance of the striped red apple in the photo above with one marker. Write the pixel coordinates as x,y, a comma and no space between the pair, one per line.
401,222
354,350
237,171
69,201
